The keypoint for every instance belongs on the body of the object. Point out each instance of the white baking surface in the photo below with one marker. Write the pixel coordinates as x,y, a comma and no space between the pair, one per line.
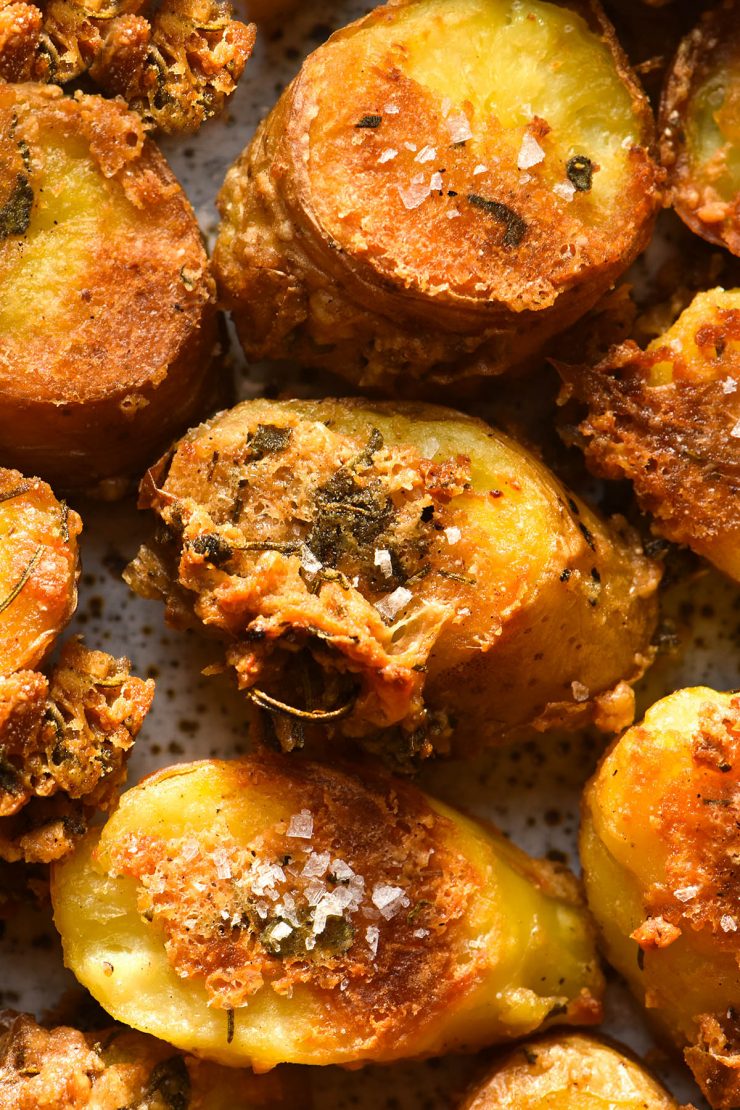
531,791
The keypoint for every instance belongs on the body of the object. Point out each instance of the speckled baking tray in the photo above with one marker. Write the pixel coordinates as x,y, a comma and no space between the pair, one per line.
531,791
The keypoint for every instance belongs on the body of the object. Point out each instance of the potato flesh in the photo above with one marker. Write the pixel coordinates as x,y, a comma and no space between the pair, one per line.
568,1072
510,567
518,949
38,570
656,847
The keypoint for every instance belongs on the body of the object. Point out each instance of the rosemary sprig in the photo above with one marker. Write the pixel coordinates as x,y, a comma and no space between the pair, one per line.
10,598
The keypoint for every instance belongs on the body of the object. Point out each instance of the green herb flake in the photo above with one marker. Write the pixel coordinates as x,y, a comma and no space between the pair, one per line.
370,121
514,226
268,439
170,1079
580,171
15,214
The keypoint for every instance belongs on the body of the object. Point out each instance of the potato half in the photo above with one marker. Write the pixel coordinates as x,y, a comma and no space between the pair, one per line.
396,567
661,861
668,419
412,207
39,566
568,1072
107,319
269,910
111,1069
700,127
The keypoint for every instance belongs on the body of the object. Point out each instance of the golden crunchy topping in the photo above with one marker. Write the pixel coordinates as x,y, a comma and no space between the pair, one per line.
63,748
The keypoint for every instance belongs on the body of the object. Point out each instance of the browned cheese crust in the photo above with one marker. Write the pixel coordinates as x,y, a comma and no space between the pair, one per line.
339,248
175,63
111,1069
700,128
64,741
99,244
676,438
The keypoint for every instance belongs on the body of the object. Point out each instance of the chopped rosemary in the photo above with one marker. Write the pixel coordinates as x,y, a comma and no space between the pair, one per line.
580,171
10,598
15,214
64,520
515,227
229,1026
371,121
457,577
266,701
16,491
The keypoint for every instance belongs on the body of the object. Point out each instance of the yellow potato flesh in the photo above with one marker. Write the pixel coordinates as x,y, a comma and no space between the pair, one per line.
521,951
699,362
713,129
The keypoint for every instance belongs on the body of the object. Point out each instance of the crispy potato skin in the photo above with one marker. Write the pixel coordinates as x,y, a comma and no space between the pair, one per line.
668,419
659,848
109,257
65,1069
438,576
429,932
700,127
568,1072
64,742
337,245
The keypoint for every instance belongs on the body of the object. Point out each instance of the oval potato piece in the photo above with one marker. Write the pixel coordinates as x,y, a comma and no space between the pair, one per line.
270,910
39,567
107,320
568,1071
397,567
409,210
700,127
110,1069
668,419
660,851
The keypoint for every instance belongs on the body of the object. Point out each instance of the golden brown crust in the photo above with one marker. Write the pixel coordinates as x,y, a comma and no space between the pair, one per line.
122,363
692,120
63,748
175,63
330,253
65,1069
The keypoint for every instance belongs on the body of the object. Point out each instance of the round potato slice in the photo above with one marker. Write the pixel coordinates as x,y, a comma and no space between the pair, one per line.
39,566
660,852
700,127
270,910
396,567
107,319
668,419
568,1072
411,208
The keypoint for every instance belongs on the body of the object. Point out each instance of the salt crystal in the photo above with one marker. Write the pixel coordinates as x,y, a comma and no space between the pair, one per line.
479,169
729,385
388,155
421,933
453,536
580,692
383,560
446,105
372,936
426,154
436,183
189,849
391,605
452,214
280,931
301,825
410,146
223,867
314,891
310,943
735,432
341,870
264,877
525,178
728,923
332,904
564,189
200,887
287,909
316,865
344,984
391,109
309,562
414,195
686,893
389,899
458,127
530,152
262,909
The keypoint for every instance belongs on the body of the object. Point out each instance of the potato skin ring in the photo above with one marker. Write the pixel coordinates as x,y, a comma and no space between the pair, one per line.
568,1071
702,155
477,569
115,267
443,936
320,259
668,419
111,1068
659,855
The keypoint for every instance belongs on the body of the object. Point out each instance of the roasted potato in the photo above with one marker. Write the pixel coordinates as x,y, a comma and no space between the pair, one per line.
409,210
107,319
271,910
64,741
39,566
110,1069
668,418
661,861
174,62
396,567
568,1072
700,127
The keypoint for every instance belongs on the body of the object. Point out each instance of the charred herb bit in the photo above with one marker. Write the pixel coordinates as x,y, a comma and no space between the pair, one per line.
348,518
16,491
365,457
558,1009
170,1080
371,121
529,1056
269,439
10,598
10,779
641,958
64,520
515,226
580,171
229,1026
337,936
587,535
457,577
15,214
213,548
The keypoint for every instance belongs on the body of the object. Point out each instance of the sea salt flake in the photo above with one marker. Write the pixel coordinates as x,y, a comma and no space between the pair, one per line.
372,936
280,931
686,893
421,933
580,692
341,870
223,866
426,154
530,152
383,560
458,127
389,899
411,146
314,891
391,605
729,385
413,196
453,536
436,183
301,825
479,169
564,189
332,904
309,562
453,214
287,908
391,109
728,923
189,849
388,155
316,865
735,432
344,984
